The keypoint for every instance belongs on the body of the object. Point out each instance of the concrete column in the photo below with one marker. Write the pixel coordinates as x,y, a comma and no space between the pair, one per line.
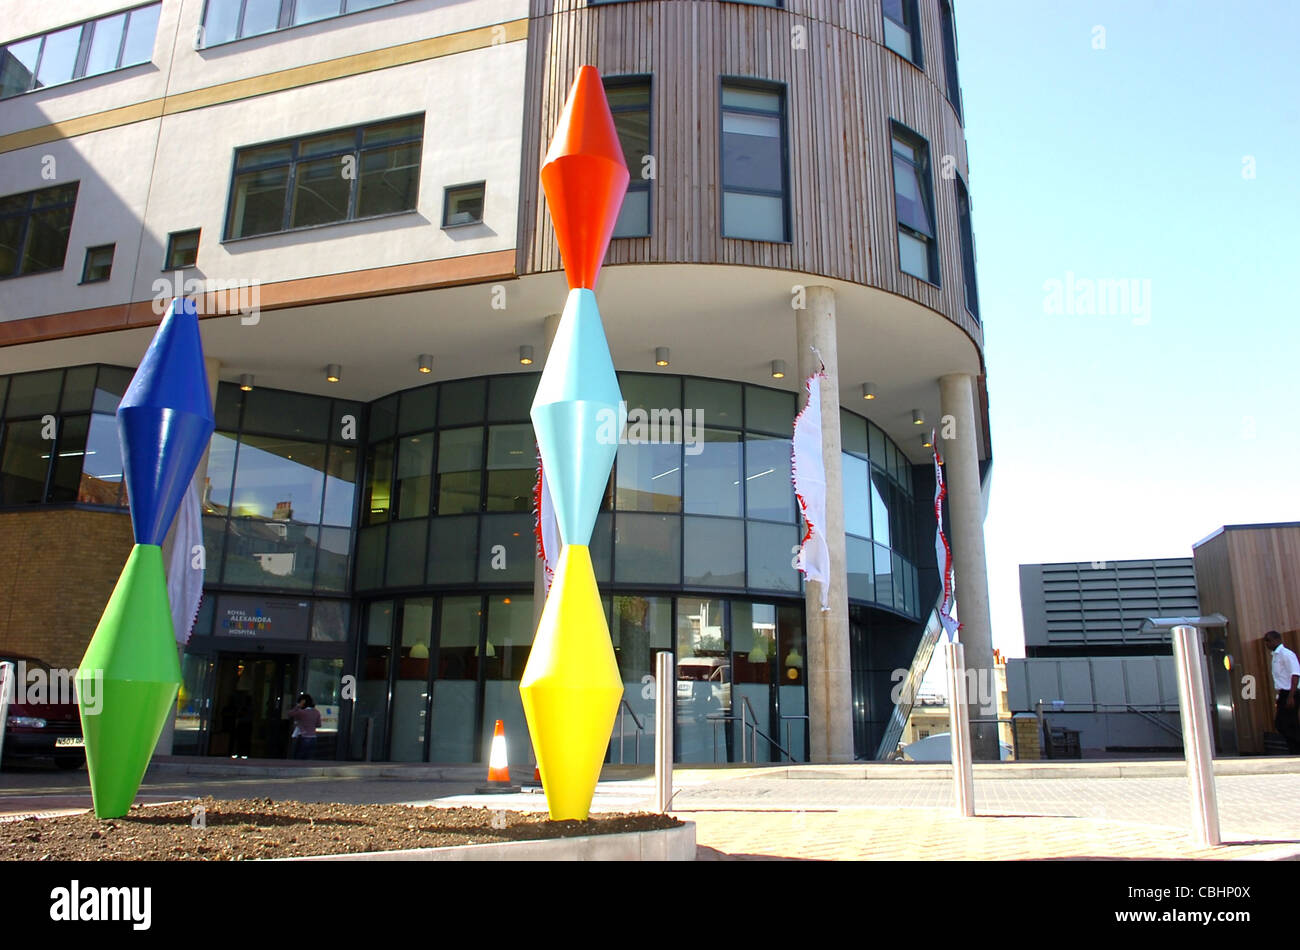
830,690
550,325
960,448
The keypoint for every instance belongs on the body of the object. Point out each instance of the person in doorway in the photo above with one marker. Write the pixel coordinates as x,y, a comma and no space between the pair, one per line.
306,720
1286,680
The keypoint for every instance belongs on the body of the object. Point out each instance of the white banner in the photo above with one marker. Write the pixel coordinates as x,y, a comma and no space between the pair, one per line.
184,579
808,471
546,528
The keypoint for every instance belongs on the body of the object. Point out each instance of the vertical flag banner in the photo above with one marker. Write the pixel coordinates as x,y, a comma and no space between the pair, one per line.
546,528
808,472
184,580
943,552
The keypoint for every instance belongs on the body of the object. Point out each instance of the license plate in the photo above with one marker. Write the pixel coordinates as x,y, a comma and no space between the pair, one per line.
70,742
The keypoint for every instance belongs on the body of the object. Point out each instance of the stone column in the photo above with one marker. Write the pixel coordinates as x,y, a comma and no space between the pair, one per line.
550,325
830,691
960,448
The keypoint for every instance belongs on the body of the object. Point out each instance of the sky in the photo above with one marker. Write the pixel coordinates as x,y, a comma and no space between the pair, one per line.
1167,158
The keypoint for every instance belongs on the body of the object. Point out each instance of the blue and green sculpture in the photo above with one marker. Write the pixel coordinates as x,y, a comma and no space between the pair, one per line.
164,423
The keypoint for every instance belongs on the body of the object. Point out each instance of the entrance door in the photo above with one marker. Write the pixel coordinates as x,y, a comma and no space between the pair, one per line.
253,696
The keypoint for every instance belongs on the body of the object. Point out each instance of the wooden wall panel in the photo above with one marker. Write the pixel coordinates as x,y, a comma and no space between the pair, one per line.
842,90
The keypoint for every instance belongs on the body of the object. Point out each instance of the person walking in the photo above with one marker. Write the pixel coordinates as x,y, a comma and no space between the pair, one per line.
1286,680
306,720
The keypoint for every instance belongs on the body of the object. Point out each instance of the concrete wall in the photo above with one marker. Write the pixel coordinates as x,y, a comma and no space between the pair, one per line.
1083,683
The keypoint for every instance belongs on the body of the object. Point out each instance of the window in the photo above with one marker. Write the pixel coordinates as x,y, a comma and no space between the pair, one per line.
182,249
74,52
914,206
949,31
34,228
903,29
753,163
226,20
463,204
326,178
967,247
99,263
629,102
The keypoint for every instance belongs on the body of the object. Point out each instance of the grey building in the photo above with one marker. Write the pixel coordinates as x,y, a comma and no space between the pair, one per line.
1088,666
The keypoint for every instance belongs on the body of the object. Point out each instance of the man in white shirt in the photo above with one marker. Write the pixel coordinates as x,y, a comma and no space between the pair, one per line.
1286,680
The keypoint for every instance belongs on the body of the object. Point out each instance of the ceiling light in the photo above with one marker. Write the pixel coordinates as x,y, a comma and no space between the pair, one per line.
926,443
918,418
333,373
426,363
868,390
526,355
778,369
246,382
661,356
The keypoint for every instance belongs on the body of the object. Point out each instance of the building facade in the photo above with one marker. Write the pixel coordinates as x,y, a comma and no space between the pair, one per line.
1090,666
349,188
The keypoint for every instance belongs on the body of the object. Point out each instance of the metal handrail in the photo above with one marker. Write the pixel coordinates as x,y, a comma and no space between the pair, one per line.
624,711
787,720
756,733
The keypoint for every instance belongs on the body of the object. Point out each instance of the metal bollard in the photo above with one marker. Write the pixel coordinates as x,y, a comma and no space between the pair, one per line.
963,776
665,714
1189,662
6,687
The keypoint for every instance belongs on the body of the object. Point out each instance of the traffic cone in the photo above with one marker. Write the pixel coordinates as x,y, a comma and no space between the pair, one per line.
498,767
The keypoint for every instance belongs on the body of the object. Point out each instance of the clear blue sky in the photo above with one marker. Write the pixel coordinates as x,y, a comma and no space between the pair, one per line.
1133,436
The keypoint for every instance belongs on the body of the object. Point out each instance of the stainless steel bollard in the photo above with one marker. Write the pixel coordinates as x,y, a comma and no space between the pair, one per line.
963,776
6,687
665,714
1189,661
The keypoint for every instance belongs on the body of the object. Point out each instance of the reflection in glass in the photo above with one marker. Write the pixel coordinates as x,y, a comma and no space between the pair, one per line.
648,549
101,474
884,576
713,476
411,690
512,468
329,622
453,545
648,477
370,718
879,510
22,468
274,553
703,682
771,551
769,494
714,552
640,628
857,503
280,479
509,640
460,461
340,485
414,475
456,688
378,500
859,555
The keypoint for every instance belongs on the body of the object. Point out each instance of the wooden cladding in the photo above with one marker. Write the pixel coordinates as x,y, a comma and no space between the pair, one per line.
843,87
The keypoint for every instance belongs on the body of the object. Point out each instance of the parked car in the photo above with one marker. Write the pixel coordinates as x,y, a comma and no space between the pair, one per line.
49,730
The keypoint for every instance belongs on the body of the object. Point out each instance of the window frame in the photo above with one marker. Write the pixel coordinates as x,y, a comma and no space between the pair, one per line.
966,235
446,204
782,90
84,41
635,181
294,142
283,20
168,266
25,232
948,40
85,266
913,29
898,132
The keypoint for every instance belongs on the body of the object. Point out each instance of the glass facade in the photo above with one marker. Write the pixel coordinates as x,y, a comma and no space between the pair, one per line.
395,542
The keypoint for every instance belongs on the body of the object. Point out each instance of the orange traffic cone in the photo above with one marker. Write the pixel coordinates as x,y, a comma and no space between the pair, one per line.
498,767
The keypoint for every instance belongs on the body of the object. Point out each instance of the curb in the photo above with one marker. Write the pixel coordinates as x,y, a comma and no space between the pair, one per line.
666,844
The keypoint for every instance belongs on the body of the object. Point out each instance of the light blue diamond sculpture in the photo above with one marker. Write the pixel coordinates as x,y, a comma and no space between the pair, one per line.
578,416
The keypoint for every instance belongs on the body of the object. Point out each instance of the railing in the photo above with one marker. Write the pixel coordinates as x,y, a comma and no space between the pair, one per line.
1147,712
749,733
624,711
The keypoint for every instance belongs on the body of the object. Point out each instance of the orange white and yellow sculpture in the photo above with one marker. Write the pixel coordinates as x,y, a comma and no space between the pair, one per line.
571,687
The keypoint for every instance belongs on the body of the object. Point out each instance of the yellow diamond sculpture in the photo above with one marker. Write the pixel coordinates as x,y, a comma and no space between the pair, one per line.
571,687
